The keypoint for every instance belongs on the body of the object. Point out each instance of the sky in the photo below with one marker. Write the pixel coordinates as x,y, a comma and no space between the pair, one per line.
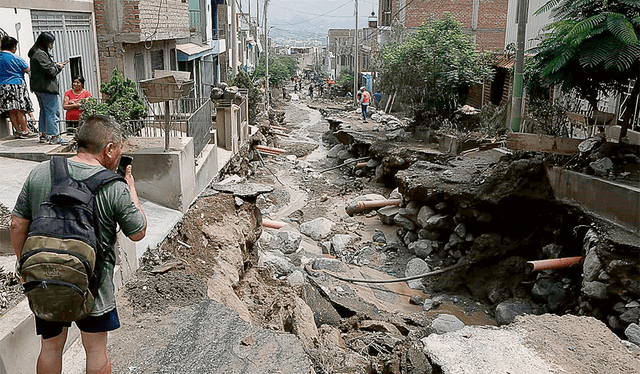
310,19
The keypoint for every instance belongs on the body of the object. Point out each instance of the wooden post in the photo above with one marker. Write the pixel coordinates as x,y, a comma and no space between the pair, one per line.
167,125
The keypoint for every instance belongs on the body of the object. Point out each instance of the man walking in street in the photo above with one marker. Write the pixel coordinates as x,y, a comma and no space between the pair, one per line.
116,204
365,99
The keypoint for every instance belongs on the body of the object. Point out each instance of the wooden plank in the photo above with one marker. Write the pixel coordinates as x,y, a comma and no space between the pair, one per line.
542,143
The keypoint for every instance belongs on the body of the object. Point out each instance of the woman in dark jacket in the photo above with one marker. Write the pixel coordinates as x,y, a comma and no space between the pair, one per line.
45,85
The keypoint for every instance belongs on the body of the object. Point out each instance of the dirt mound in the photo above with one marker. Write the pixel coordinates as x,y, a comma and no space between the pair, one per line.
153,293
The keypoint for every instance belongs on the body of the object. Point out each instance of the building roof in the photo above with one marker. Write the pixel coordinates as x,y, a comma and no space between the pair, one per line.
191,51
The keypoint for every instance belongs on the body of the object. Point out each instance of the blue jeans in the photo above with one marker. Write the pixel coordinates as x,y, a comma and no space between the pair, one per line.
49,113
364,110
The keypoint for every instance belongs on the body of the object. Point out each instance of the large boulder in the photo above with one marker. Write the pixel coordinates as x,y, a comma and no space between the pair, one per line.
277,261
340,242
289,241
421,248
445,323
633,333
423,215
317,229
387,214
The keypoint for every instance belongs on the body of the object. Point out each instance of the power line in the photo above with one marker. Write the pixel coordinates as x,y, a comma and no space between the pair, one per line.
321,15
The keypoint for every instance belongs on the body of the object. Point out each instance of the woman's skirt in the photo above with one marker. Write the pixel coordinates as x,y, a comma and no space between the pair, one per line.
15,97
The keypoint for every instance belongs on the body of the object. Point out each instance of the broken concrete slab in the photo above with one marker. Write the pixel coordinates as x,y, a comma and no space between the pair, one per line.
542,143
317,229
207,338
243,190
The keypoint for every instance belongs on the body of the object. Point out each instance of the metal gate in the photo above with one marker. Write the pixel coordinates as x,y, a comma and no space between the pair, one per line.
74,42
208,77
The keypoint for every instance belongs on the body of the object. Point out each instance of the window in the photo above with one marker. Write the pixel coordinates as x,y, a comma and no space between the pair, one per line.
75,64
386,13
157,60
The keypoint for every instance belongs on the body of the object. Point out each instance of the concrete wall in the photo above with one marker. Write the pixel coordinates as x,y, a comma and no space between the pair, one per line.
166,178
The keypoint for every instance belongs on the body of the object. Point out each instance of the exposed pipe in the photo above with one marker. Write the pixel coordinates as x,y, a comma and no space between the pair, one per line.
272,224
361,165
555,263
378,203
344,163
279,128
269,149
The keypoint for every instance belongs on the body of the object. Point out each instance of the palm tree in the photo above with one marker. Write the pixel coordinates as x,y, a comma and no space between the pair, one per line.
592,46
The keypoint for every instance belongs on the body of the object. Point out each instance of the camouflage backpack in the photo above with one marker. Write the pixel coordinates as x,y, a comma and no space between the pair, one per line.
58,259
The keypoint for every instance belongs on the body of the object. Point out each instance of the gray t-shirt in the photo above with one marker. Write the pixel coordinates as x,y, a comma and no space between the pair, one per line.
114,207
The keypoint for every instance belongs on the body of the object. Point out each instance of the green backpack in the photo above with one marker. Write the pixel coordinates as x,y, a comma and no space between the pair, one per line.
58,259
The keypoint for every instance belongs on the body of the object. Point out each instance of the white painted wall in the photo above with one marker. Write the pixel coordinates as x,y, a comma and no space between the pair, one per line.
9,18
535,23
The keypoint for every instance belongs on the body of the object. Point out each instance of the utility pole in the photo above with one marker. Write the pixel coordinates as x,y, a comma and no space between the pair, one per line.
518,76
234,38
266,54
356,73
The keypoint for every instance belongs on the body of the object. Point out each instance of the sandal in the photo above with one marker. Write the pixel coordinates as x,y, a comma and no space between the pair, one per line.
28,134
58,140
44,139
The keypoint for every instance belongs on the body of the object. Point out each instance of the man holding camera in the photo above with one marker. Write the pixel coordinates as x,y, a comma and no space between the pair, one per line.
116,204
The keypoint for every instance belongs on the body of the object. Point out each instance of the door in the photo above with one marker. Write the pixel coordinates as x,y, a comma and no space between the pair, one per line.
74,42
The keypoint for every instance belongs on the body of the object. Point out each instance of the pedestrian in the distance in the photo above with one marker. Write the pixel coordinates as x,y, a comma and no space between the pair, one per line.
365,99
44,84
72,100
117,208
311,90
14,95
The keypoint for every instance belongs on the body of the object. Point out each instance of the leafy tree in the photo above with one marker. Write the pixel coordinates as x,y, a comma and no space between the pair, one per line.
592,46
243,80
432,68
344,83
122,102
281,68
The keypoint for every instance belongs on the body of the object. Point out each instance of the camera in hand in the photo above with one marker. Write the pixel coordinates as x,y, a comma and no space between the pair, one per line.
124,162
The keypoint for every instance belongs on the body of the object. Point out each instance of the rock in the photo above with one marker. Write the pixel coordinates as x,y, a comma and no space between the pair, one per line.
410,237
507,310
631,315
220,290
454,240
343,155
395,194
238,201
595,290
461,230
445,323
340,242
633,333
352,206
323,310
552,250
404,222
602,166
387,214
421,248
277,261
412,208
296,278
326,247
416,266
373,163
438,221
330,264
302,323
380,326
317,229
416,300
614,323
633,304
333,152
396,135
429,304
619,307
441,206
469,237
484,217
415,361
289,241
556,296
423,215
428,234
379,237
588,144
592,266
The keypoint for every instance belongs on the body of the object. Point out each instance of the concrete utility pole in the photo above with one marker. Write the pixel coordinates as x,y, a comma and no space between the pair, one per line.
518,76
266,54
234,38
356,72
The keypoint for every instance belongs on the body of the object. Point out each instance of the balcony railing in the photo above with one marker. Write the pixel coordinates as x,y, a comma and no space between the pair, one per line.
194,19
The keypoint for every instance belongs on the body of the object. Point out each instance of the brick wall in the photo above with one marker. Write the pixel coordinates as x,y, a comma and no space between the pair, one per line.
491,23
119,22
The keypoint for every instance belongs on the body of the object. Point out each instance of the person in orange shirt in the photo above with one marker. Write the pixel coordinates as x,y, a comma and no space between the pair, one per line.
72,101
365,99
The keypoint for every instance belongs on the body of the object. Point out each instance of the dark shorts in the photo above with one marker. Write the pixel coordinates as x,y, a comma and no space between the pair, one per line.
106,322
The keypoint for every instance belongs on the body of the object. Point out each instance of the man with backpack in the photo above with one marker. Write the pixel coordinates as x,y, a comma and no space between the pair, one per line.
65,209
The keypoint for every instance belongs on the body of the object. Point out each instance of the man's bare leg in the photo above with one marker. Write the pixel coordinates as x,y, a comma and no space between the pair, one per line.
50,358
95,345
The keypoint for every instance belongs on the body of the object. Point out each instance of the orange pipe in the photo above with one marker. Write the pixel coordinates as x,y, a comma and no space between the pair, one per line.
269,152
378,203
361,165
272,224
265,148
555,263
279,128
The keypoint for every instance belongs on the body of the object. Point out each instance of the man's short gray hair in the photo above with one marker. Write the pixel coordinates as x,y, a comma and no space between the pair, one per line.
96,132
